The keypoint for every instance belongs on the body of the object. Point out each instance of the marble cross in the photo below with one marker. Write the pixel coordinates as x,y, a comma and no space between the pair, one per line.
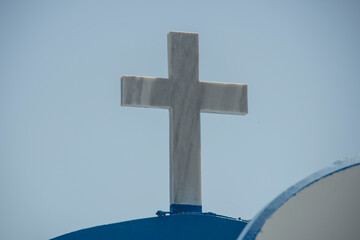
185,97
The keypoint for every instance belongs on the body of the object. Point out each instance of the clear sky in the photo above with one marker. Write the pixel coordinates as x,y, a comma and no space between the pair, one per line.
71,157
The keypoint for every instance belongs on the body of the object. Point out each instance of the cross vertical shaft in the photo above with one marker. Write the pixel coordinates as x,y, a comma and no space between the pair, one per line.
185,156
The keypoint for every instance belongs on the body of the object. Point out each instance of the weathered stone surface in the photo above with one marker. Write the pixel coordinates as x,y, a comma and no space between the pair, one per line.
185,97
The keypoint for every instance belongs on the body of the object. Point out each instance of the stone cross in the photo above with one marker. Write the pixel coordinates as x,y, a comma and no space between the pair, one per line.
185,97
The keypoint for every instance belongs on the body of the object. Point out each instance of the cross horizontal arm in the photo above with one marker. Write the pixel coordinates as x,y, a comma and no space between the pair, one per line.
224,98
145,92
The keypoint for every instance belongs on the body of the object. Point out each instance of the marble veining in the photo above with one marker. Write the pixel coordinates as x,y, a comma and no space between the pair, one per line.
185,97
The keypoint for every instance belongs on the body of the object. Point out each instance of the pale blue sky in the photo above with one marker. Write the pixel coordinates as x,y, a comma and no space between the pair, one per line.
71,157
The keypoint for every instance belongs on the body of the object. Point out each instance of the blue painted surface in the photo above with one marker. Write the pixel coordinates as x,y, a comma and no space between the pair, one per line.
254,227
184,208
175,226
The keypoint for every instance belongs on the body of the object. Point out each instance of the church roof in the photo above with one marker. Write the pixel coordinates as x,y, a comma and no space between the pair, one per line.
174,226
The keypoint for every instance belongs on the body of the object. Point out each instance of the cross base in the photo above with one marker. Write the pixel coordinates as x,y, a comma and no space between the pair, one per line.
184,208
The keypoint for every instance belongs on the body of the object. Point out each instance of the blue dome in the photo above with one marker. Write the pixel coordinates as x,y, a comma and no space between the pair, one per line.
175,226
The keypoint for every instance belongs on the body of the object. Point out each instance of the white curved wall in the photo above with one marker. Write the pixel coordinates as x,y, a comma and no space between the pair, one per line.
327,209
